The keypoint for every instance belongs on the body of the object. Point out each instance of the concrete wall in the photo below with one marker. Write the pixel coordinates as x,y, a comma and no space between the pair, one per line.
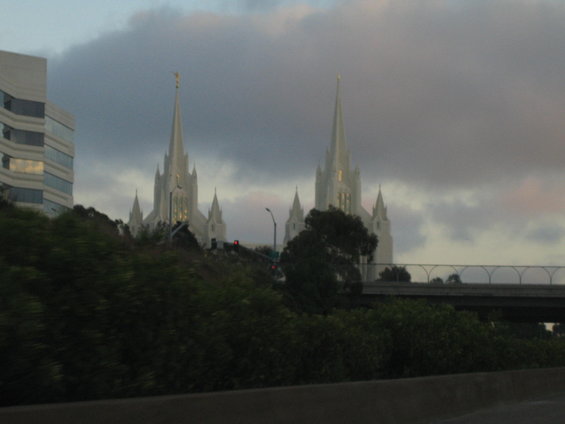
415,400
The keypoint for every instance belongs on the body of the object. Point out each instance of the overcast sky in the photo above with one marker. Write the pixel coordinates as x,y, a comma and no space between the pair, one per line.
456,108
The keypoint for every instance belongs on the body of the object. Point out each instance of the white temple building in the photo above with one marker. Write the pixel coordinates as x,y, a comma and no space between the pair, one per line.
339,186
175,196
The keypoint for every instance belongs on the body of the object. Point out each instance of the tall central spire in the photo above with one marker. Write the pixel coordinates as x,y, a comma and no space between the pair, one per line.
175,193
176,150
338,152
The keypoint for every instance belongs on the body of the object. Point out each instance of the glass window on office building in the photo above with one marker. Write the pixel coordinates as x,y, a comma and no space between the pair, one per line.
58,183
22,107
25,195
31,138
4,99
59,157
4,131
59,130
26,166
4,161
53,208
27,108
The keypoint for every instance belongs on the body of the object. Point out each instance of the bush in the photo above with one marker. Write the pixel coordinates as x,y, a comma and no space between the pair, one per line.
87,314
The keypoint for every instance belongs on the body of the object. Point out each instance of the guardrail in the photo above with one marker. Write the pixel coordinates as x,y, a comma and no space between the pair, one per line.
489,274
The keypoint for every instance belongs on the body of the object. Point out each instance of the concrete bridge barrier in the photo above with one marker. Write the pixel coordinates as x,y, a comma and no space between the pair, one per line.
520,303
413,400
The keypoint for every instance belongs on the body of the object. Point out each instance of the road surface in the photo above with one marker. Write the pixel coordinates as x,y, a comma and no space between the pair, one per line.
550,410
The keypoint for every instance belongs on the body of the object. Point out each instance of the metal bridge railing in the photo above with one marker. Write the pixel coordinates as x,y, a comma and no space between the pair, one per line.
511,274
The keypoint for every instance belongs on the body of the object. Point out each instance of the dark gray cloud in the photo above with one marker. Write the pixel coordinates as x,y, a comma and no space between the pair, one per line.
407,228
464,222
269,5
546,234
528,211
434,93
254,5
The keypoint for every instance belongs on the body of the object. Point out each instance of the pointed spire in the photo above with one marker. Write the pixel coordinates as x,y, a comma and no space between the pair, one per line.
296,212
296,201
176,149
380,208
215,211
136,209
338,147
380,201
135,216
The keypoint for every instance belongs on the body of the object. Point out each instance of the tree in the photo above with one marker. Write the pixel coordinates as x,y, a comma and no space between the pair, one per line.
395,273
558,329
266,251
321,262
434,339
103,222
453,279
185,239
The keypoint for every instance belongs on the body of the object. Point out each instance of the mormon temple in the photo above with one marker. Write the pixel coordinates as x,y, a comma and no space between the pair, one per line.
175,196
337,185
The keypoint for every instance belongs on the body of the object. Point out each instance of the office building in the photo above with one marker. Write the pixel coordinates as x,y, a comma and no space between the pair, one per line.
36,143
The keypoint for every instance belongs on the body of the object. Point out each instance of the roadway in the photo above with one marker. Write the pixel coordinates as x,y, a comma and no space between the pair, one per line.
550,410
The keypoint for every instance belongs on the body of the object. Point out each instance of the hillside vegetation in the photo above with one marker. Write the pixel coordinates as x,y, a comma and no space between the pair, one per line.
87,313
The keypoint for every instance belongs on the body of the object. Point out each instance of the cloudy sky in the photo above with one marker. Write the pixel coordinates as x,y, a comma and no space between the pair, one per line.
456,108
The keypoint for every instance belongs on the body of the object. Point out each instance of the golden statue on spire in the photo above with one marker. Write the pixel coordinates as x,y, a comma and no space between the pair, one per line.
177,78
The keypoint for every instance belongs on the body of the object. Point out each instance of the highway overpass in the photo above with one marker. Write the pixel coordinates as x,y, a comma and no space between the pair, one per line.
513,302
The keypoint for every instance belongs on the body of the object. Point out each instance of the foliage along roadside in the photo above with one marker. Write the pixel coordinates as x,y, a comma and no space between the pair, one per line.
88,314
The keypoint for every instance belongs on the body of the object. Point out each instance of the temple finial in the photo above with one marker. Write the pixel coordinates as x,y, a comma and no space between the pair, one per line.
177,79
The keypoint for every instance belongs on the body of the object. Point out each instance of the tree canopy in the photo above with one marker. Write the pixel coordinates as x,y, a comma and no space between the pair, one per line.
396,273
86,313
453,279
322,260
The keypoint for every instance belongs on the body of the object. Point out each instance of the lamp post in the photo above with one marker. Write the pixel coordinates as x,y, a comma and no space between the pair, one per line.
274,233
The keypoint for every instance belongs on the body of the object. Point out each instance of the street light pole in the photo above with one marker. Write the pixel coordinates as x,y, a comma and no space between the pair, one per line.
274,233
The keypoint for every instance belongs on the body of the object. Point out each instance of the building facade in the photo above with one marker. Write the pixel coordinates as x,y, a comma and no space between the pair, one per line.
175,193
339,186
36,142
